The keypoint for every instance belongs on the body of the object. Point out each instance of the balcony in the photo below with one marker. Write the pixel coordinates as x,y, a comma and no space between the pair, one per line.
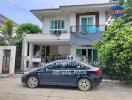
57,32
87,29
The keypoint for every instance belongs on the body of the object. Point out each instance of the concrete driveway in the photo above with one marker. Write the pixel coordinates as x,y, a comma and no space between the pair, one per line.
12,89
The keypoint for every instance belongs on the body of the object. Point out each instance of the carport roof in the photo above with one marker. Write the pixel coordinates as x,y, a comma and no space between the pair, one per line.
86,39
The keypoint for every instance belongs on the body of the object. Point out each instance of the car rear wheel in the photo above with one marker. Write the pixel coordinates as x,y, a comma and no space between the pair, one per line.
84,84
32,82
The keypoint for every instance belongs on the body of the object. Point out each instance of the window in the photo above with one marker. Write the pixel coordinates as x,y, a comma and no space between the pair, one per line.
56,26
83,52
95,55
91,54
88,24
79,52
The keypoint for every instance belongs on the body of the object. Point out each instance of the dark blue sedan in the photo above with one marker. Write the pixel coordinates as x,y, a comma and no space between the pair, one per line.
64,73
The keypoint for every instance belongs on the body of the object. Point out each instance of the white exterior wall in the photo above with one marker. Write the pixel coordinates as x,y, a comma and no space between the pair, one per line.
53,50
70,20
102,17
12,58
63,50
73,19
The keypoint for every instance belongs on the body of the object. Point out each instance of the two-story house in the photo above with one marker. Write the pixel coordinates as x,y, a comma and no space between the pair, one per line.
67,30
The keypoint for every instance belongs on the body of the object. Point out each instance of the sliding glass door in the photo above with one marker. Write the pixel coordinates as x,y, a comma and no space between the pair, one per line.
90,54
87,23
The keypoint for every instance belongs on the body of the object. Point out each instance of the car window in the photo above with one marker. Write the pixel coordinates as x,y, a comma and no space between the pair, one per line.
84,66
70,65
54,65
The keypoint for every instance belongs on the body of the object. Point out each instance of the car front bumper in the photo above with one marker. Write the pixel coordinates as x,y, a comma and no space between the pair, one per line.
24,78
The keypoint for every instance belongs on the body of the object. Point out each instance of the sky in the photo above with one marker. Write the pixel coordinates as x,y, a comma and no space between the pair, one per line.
19,10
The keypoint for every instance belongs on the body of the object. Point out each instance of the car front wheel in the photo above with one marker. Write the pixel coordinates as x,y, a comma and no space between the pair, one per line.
32,82
84,84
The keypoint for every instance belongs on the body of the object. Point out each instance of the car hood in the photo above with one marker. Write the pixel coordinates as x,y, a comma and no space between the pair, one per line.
31,70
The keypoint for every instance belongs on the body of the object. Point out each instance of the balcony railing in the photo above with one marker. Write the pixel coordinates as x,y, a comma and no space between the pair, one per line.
57,31
87,29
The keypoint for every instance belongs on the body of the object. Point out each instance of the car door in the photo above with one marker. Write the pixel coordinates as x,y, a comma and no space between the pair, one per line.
74,71
69,77
49,75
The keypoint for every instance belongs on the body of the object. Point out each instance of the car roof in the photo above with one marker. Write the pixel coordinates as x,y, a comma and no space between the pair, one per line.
63,60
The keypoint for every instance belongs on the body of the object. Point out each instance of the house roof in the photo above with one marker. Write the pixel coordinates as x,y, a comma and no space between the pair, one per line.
69,8
72,6
3,18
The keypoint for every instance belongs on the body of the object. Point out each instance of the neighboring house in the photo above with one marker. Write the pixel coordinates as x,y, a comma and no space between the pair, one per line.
2,19
67,30
7,53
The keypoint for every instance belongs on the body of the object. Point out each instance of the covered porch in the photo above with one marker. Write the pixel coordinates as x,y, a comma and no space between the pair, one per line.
37,52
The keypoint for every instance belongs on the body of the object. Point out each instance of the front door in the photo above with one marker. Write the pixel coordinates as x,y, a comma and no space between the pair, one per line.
6,61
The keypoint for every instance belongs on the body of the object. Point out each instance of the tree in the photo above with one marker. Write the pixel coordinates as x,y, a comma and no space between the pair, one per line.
116,46
2,42
7,31
27,28
21,31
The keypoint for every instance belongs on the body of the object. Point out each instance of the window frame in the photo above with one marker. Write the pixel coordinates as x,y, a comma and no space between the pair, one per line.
57,29
86,16
62,21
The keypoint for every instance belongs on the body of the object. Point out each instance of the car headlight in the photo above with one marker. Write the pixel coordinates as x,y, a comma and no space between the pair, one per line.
27,72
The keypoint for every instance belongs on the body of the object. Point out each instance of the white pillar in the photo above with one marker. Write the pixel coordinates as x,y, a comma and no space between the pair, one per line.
73,21
73,51
1,59
31,48
102,19
92,55
24,55
12,59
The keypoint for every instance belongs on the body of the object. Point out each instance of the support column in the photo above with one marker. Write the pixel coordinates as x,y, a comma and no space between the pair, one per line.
92,55
31,49
12,60
98,56
73,21
1,59
24,55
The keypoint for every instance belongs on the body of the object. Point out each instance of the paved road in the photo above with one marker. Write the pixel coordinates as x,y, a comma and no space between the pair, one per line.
12,89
